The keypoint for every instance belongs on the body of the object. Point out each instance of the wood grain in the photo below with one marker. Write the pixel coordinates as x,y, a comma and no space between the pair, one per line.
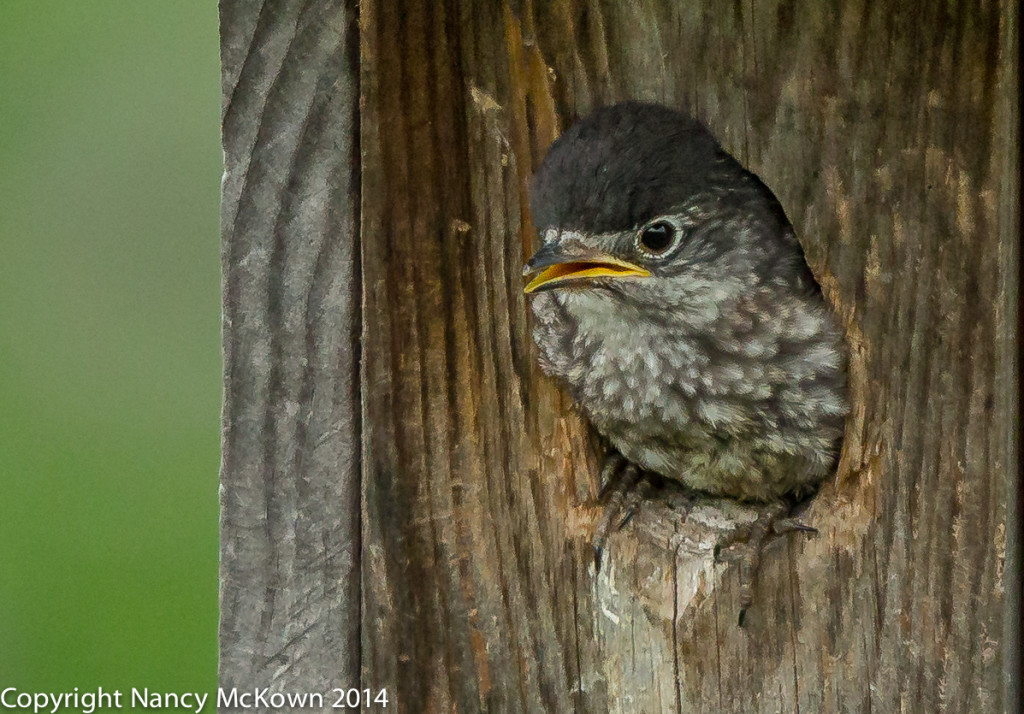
879,129
391,376
289,593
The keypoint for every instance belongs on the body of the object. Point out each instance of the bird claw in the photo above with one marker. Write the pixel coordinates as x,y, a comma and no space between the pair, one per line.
624,487
782,526
751,539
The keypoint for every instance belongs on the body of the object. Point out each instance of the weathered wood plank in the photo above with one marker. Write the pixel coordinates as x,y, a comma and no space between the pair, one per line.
290,471
1006,164
889,131
880,127
471,588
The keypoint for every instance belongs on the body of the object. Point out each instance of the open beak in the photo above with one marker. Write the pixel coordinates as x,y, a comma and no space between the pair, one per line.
555,267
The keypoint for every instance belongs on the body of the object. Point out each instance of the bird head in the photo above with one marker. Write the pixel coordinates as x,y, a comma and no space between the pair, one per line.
638,204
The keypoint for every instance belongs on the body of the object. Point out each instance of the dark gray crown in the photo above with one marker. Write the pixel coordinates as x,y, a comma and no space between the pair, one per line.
627,163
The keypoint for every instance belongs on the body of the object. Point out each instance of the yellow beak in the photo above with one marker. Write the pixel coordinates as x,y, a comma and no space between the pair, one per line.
595,266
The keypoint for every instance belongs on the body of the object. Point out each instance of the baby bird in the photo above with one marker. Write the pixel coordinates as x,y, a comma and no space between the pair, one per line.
673,301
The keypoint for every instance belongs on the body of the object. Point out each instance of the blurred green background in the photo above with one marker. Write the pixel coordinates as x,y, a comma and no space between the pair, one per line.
109,343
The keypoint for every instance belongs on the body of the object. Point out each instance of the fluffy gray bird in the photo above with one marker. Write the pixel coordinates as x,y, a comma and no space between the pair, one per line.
673,300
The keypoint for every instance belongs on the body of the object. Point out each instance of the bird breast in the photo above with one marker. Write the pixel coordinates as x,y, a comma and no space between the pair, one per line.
750,408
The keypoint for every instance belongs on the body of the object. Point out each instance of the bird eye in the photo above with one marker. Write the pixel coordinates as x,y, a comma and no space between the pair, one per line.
657,237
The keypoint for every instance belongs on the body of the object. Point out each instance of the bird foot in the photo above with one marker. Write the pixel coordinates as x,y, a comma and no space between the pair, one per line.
749,540
624,486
